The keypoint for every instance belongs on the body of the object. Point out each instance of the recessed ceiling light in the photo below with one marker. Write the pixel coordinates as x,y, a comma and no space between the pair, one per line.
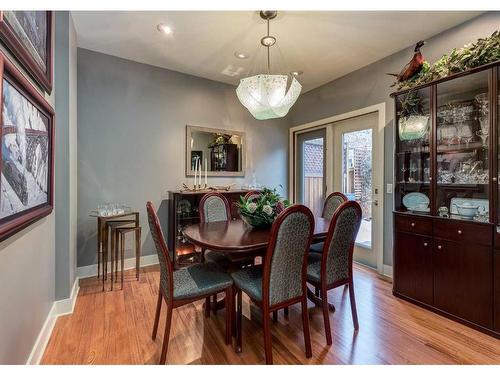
296,73
241,55
165,29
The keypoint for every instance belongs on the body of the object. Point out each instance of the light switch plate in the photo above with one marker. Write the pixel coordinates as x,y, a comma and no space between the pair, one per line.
389,189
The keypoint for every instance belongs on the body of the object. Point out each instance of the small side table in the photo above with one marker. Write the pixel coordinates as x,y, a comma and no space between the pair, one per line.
103,240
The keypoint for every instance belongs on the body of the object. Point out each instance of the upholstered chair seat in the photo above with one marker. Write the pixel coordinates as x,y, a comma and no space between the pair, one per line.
200,280
249,280
332,202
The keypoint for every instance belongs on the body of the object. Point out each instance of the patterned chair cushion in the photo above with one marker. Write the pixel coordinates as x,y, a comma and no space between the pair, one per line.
314,267
288,257
317,247
331,206
249,280
215,210
198,280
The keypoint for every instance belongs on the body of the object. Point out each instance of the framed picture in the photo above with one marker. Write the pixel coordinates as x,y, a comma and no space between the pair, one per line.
28,35
26,152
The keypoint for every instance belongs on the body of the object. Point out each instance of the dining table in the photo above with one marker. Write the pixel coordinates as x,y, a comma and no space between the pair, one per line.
237,237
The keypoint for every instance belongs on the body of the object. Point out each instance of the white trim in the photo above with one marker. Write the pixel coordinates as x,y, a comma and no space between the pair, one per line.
61,307
380,109
387,271
66,306
43,337
89,271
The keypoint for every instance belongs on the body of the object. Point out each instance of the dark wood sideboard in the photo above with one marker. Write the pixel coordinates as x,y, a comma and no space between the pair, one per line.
182,211
445,258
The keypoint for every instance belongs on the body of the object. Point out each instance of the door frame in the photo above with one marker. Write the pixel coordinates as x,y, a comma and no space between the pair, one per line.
379,162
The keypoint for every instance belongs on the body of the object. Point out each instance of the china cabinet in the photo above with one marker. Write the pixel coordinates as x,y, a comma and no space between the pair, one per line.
183,211
446,197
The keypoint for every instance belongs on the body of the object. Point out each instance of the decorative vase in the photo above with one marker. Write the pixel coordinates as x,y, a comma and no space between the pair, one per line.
413,127
257,221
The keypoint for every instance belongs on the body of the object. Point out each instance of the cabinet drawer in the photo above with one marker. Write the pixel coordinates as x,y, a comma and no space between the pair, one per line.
413,224
456,230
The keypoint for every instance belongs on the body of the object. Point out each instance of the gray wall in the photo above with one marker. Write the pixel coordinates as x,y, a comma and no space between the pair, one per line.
65,141
370,85
131,138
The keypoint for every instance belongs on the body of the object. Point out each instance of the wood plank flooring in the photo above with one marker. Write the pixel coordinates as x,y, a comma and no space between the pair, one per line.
115,328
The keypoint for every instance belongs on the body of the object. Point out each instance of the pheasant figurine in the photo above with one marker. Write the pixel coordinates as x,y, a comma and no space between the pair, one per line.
413,67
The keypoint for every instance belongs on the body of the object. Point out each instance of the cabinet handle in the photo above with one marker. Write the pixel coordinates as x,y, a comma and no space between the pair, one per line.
494,179
440,247
425,244
459,231
430,178
412,224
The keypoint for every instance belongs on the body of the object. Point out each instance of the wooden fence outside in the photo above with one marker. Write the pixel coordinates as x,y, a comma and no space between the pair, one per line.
313,194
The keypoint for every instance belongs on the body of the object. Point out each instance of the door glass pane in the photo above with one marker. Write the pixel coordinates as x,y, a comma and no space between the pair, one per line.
462,147
310,170
357,178
313,175
412,162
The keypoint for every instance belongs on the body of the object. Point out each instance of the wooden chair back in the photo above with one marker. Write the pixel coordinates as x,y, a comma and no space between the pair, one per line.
214,207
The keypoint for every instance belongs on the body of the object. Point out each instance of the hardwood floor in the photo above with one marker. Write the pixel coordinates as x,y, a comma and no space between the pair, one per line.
115,328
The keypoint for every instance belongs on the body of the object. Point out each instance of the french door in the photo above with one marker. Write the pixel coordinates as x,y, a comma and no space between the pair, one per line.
344,155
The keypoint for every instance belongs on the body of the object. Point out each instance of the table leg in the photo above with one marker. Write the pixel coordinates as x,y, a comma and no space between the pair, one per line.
104,255
99,253
318,301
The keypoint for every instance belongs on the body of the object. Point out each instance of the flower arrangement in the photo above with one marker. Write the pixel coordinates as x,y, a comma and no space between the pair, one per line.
262,211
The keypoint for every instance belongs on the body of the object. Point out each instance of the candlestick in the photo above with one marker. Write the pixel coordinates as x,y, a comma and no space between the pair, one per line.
195,170
206,171
199,176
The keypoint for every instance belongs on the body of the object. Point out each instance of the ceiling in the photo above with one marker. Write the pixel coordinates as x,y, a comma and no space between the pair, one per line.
324,45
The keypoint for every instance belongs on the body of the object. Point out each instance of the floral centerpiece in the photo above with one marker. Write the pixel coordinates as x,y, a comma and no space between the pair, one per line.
261,212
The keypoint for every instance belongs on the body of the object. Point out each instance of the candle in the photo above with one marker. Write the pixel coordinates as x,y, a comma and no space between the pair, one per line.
199,172
195,170
205,171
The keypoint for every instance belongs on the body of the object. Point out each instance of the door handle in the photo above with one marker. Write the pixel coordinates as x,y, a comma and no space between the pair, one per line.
375,202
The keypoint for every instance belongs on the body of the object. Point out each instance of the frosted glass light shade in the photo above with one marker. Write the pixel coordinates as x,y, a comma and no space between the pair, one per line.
265,95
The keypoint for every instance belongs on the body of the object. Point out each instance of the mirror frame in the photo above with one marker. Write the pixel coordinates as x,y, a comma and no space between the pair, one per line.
190,129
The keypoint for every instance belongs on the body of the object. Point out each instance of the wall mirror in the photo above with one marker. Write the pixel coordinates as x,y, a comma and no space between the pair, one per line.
221,150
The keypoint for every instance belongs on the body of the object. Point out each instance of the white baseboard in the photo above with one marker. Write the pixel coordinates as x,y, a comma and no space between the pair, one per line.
387,271
89,271
61,307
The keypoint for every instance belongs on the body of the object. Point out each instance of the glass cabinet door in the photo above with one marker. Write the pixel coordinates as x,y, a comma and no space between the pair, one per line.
412,161
462,148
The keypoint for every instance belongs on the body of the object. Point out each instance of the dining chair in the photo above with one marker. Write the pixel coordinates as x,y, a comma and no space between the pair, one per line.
333,267
332,202
281,281
252,194
185,285
215,207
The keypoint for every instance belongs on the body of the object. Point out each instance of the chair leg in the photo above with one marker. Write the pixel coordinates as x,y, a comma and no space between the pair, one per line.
326,317
207,307
166,336
285,312
353,306
137,252
115,232
233,311
305,327
267,338
239,314
157,316
275,316
229,309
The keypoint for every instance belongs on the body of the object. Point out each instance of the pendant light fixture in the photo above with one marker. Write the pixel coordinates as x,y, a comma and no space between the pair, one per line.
265,95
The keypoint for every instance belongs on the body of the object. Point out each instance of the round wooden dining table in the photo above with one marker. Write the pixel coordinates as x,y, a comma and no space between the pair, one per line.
237,237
